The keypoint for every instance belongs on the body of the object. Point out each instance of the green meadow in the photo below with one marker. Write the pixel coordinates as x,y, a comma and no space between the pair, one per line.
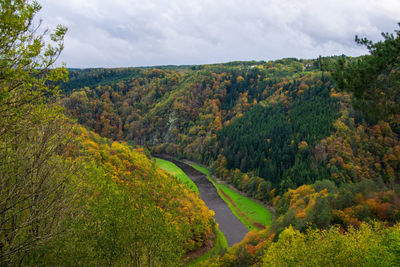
247,210
177,172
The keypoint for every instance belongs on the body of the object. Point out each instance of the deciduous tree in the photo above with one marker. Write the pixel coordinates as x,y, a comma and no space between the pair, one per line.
33,134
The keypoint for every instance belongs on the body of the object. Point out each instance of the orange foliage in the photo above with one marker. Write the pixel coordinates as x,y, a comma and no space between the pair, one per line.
297,199
359,151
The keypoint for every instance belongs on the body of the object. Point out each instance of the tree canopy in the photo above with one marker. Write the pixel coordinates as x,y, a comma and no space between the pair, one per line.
67,196
33,133
374,79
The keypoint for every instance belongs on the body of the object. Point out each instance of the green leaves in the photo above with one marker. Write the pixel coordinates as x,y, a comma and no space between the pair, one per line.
370,245
27,64
374,79
33,135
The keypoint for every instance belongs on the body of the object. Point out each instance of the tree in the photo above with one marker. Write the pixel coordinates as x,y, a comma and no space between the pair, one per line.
33,134
374,79
26,63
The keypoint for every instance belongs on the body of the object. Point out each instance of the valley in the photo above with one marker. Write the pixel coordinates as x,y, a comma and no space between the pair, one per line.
279,132
285,162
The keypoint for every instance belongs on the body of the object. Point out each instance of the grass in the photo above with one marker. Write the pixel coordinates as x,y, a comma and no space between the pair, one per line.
177,172
220,244
247,210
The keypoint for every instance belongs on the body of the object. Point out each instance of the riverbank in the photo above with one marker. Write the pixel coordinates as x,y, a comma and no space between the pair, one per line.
250,212
233,229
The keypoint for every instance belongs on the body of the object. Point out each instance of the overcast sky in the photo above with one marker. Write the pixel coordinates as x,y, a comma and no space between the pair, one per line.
122,33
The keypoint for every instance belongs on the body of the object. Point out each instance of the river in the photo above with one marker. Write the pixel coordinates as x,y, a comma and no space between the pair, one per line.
233,229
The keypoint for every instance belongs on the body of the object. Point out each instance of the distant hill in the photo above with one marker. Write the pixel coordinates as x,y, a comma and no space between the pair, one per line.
190,111
265,127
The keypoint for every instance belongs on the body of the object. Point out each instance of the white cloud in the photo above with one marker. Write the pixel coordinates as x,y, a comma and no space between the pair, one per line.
105,33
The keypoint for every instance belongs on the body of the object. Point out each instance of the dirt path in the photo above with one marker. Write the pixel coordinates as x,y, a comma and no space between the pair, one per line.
233,229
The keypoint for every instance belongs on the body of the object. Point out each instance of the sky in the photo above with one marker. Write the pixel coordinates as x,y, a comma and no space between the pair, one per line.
127,33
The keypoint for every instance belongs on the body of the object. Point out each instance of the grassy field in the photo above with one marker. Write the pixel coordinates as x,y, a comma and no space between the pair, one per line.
247,210
177,172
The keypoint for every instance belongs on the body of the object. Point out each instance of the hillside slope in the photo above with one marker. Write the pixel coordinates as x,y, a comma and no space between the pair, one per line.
279,131
265,126
188,111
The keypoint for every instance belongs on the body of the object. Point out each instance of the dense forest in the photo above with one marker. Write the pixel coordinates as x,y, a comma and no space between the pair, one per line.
197,113
69,197
316,140
281,124
284,132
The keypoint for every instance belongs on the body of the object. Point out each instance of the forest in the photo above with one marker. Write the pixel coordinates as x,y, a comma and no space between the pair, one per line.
264,128
69,197
314,140
286,132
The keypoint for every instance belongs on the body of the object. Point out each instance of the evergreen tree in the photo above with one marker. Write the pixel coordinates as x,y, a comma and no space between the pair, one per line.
372,79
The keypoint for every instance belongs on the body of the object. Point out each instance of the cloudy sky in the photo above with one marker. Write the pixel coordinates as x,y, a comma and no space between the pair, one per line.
122,33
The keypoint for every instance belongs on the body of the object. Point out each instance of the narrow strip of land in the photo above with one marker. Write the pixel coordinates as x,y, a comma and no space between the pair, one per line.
251,213
233,229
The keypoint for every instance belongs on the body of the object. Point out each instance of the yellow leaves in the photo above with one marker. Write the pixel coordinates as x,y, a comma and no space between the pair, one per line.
303,199
323,193
90,144
301,191
332,161
289,234
366,246
131,170
340,126
272,193
301,215
245,179
348,167
239,79
390,172
218,123
347,217
303,145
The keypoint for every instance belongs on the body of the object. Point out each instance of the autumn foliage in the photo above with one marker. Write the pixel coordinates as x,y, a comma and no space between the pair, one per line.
126,211
134,171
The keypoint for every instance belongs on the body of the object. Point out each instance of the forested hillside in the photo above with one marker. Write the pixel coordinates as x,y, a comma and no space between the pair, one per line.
265,127
283,121
179,110
274,140
193,112
336,221
316,140
128,210
283,132
69,197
